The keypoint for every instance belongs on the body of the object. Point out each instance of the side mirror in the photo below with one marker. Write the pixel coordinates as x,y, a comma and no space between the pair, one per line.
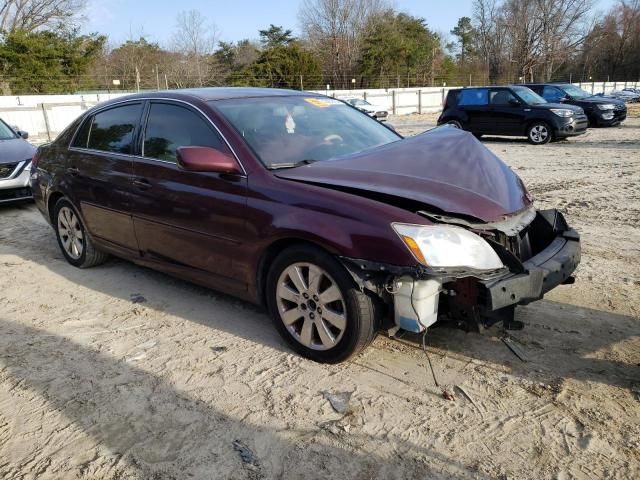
564,99
514,102
206,159
23,134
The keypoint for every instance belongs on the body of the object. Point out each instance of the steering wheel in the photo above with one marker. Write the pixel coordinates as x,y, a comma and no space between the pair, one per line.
333,138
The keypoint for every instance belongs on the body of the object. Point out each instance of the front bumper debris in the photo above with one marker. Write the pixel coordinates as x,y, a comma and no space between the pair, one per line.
543,272
477,299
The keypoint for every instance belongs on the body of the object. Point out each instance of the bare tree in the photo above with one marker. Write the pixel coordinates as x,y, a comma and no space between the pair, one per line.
564,26
30,15
334,29
531,35
195,38
491,34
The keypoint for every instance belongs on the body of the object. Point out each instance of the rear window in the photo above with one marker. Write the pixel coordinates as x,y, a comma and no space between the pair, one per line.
474,96
452,98
82,137
112,130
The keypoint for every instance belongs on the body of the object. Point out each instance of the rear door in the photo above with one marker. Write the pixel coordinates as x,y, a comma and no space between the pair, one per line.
473,102
98,172
507,112
193,220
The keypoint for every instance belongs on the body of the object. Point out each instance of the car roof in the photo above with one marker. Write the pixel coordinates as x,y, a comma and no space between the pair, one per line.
217,93
557,84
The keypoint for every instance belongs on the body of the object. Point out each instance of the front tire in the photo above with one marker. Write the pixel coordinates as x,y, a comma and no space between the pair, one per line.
316,306
72,237
539,133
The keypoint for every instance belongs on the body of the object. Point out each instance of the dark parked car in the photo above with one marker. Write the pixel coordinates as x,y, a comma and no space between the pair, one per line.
602,111
15,163
513,111
300,202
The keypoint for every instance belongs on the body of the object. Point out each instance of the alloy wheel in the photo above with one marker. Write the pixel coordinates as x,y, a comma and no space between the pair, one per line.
311,306
71,234
538,133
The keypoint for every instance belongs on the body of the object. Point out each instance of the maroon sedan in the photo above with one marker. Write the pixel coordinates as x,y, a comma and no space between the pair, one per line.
300,202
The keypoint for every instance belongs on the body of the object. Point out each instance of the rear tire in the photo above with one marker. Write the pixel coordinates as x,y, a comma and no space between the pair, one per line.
316,306
539,133
454,123
76,245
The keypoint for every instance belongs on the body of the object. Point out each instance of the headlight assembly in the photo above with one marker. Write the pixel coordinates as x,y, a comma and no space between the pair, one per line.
563,112
444,246
606,106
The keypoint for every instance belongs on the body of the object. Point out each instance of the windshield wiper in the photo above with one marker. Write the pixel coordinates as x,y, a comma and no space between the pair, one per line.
306,161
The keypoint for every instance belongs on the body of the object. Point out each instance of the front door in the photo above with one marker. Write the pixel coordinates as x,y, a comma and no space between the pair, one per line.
193,220
507,112
100,166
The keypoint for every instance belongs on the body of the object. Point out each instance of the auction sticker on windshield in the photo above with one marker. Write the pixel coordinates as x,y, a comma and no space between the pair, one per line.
323,102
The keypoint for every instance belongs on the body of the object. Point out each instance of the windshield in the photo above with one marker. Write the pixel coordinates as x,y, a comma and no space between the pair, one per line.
528,96
575,92
5,132
289,131
358,101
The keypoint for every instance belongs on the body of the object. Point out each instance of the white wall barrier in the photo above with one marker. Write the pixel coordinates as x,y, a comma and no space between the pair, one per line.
45,116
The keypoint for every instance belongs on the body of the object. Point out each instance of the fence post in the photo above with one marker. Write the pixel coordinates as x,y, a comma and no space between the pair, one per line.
442,96
365,95
393,101
46,121
419,102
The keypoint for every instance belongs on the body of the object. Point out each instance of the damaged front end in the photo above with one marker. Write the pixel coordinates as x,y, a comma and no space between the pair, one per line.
531,253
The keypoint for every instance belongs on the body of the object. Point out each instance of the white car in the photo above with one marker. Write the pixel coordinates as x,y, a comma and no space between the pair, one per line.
15,164
625,95
375,111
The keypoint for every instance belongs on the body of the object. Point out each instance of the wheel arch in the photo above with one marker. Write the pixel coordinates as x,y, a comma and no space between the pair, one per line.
269,255
51,203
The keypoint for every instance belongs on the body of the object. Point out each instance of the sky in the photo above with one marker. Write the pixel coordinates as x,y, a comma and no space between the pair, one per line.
235,20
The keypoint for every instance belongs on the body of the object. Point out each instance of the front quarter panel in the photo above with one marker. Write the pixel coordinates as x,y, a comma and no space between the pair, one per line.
341,223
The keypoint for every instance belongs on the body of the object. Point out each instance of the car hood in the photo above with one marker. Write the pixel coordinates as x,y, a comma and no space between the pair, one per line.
15,150
602,99
566,106
375,107
444,170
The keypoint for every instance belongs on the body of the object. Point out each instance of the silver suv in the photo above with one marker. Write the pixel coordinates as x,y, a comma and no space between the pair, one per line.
15,164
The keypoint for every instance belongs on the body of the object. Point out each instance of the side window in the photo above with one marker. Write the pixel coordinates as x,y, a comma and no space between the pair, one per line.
474,96
112,130
82,137
552,94
171,126
500,97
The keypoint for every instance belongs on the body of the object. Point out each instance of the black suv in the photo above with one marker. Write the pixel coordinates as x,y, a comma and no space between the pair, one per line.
602,111
514,110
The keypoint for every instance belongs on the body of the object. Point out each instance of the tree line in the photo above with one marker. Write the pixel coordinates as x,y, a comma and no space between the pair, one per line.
342,43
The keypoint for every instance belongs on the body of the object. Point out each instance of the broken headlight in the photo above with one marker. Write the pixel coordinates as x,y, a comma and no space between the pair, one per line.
447,246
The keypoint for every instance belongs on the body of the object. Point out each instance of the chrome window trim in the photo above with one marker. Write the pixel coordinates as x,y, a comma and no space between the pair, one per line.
151,99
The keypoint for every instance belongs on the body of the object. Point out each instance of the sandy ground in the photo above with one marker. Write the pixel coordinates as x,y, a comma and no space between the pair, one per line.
120,372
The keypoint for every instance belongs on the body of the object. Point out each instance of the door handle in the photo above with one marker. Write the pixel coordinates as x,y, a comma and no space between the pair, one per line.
142,183
73,171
